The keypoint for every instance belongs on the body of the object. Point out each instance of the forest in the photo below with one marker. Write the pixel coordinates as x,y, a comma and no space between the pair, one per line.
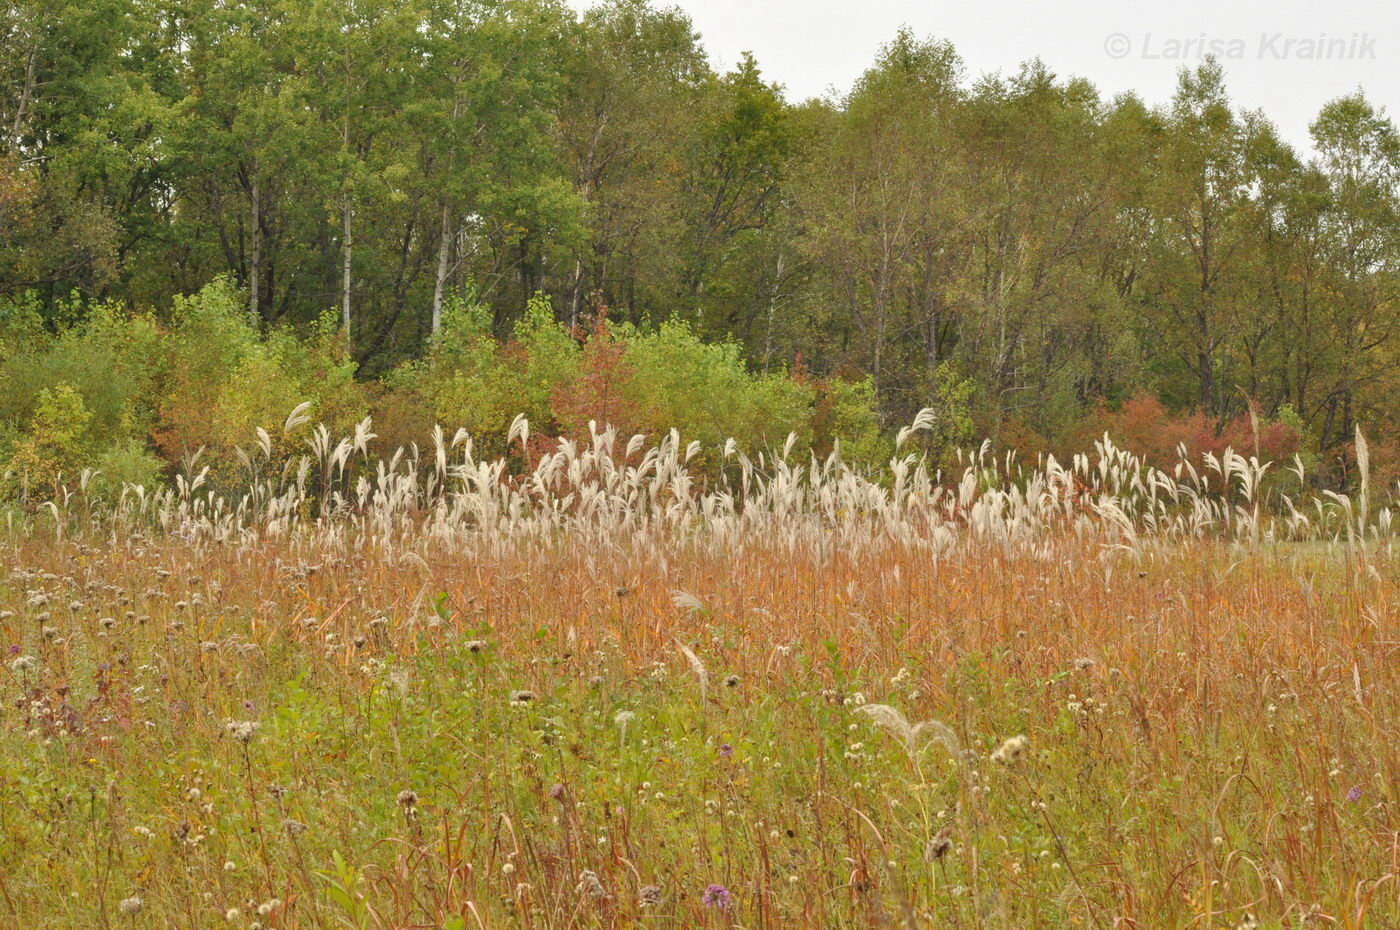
453,211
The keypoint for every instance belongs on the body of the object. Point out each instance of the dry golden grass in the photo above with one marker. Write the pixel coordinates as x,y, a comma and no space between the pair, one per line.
481,705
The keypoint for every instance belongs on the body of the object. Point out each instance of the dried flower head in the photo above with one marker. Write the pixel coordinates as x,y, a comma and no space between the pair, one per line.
130,906
1010,751
649,896
938,845
242,730
408,798
590,884
520,698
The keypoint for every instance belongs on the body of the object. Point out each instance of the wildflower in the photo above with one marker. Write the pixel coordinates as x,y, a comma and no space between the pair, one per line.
649,896
557,792
294,827
521,698
24,664
231,915
731,681
475,645
716,896
130,906
1083,664
268,906
726,752
408,798
1354,794
1010,751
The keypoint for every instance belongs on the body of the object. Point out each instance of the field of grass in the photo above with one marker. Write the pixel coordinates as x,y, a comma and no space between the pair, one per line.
601,697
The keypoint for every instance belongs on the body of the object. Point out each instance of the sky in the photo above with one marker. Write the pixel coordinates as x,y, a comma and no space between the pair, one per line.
1285,57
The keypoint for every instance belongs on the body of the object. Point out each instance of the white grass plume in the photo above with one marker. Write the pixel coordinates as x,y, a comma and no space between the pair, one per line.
914,737
687,601
697,667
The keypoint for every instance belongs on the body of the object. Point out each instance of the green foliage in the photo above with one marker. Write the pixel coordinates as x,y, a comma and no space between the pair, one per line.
469,380
54,449
278,159
703,390
648,381
953,426
112,388
855,422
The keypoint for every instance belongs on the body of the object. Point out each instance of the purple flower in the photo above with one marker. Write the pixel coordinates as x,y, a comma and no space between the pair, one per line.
1354,794
557,792
726,752
716,896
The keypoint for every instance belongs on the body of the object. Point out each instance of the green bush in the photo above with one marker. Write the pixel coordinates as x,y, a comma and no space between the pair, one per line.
54,450
225,380
128,461
704,391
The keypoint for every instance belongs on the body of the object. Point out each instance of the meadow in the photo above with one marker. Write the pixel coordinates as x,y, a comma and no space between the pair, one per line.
592,687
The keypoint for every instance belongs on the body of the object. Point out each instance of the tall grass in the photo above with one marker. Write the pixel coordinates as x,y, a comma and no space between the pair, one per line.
596,688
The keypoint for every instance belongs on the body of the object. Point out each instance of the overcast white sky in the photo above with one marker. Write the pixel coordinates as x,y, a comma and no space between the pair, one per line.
813,46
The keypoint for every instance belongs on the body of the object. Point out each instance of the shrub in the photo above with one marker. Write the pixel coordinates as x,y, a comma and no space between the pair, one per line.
703,389
469,380
53,451
846,413
225,380
127,461
1144,426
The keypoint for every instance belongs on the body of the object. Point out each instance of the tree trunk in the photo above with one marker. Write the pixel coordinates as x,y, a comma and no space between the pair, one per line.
444,256
255,260
575,295
347,246
772,313
24,96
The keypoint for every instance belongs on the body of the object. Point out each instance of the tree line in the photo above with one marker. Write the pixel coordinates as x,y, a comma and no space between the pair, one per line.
1017,250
